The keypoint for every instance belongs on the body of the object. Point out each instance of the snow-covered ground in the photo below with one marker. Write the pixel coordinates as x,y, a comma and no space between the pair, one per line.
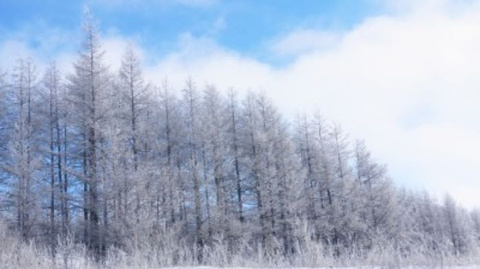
360,267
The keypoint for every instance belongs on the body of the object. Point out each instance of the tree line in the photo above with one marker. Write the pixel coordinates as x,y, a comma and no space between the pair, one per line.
106,158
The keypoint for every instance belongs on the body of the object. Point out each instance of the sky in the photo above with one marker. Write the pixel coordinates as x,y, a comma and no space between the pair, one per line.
401,74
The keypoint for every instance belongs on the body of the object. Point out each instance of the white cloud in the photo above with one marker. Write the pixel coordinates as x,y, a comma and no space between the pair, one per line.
18,46
11,50
37,41
206,62
304,41
219,24
114,48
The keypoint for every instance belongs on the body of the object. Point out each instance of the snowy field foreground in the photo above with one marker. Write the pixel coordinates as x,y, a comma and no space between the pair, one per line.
361,267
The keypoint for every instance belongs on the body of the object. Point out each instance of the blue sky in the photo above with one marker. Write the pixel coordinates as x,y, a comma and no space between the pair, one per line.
400,74
240,25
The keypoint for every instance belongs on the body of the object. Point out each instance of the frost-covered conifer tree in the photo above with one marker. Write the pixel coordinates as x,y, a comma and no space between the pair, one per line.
22,158
89,89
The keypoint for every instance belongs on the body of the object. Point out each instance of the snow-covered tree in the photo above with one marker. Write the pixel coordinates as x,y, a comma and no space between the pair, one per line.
23,160
89,90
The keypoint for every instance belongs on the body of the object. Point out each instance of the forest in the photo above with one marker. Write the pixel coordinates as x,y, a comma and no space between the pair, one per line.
100,167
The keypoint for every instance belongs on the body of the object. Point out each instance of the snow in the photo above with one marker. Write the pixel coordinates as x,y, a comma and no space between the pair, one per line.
360,267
